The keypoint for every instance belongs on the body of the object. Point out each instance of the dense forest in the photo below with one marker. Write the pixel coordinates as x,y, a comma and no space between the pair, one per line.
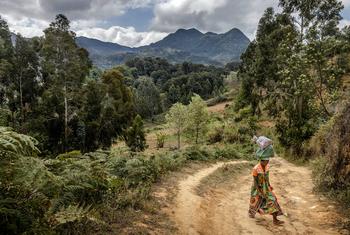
61,168
51,91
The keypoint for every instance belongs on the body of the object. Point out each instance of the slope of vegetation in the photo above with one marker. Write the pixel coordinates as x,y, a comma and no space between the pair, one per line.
295,73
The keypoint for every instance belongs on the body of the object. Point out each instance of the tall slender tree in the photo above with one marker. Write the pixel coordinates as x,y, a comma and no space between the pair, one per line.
6,56
25,79
177,118
65,66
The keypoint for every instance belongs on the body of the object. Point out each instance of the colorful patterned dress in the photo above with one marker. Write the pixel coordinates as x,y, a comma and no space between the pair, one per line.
263,201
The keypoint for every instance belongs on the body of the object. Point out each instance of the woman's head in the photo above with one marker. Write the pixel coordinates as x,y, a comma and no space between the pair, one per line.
264,162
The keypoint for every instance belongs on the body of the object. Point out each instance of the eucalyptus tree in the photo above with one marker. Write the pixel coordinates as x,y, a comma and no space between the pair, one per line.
64,68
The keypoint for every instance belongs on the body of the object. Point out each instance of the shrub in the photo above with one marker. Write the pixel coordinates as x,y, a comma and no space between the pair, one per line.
135,135
160,139
231,134
331,147
226,152
243,114
215,134
217,100
196,153
71,154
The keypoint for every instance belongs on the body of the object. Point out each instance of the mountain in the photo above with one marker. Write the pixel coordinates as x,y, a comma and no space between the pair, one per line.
182,39
98,47
182,45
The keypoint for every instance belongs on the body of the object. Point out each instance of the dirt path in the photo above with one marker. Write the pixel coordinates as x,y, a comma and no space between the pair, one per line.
224,210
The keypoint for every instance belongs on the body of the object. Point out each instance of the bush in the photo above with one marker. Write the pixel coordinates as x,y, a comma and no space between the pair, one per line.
331,147
160,139
76,193
231,135
135,135
227,152
215,134
216,100
71,154
243,114
196,153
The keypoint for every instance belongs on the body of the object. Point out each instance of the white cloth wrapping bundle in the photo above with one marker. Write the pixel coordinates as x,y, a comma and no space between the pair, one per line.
263,141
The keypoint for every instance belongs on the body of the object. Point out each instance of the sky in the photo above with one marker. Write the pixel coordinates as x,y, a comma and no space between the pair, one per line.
139,22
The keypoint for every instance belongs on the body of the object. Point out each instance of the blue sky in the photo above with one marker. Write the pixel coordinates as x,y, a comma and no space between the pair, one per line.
139,22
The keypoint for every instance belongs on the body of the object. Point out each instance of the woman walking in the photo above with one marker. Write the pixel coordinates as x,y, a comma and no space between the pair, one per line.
263,200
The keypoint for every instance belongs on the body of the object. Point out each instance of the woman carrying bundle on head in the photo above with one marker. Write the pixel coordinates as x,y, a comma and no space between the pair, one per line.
263,200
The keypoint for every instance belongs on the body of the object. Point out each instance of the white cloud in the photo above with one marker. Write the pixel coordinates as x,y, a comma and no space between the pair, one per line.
215,15
344,23
124,36
31,17
27,27
90,17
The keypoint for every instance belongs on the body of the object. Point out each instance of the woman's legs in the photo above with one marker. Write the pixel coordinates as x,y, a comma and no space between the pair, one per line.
275,220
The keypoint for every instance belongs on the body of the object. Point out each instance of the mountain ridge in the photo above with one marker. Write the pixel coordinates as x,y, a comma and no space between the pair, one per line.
182,45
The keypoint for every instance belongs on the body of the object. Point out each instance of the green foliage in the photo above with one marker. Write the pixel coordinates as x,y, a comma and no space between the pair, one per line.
178,82
65,67
57,98
291,70
13,144
76,193
160,139
215,133
197,118
330,146
117,110
147,98
177,119
135,135
231,134
71,154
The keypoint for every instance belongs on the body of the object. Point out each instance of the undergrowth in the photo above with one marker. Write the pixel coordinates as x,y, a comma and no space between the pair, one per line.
86,193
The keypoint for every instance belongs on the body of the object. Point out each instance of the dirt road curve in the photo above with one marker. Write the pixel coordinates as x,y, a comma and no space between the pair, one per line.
224,210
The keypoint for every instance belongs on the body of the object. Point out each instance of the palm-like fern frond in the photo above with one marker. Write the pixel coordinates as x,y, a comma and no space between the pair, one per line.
14,144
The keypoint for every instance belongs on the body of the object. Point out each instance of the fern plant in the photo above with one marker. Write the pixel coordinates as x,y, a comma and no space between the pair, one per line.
15,144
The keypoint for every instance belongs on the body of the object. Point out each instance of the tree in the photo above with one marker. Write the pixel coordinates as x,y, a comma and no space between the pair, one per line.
259,68
25,80
117,110
292,69
177,118
173,94
93,94
323,47
6,54
293,98
147,98
135,135
198,118
64,67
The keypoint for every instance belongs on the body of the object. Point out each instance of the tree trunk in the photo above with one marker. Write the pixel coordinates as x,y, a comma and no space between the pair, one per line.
178,139
21,99
65,118
302,29
320,89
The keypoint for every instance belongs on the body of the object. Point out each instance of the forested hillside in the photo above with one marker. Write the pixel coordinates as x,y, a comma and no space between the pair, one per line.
182,45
